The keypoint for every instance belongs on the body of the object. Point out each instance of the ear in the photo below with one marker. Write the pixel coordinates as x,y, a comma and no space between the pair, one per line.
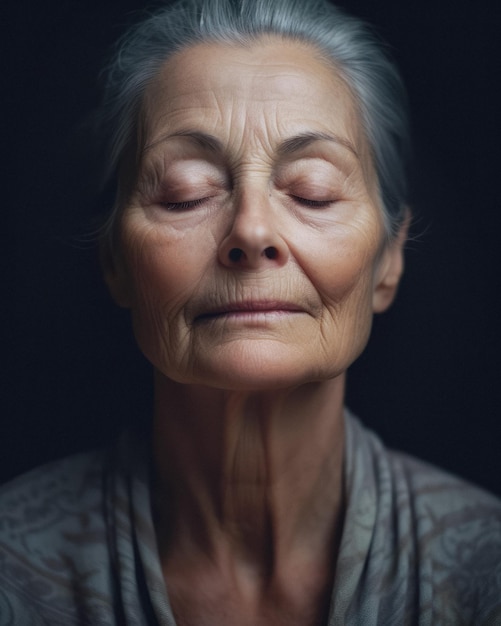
115,273
391,267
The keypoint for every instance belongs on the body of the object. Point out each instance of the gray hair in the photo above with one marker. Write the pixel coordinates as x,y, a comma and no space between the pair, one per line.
344,40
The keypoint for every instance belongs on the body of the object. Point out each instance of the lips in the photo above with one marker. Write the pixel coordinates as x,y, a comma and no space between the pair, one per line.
249,308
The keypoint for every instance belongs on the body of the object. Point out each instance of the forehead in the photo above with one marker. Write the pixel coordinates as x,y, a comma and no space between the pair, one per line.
261,92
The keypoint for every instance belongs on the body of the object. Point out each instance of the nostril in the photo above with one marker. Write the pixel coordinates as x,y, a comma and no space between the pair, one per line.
235,254
271,253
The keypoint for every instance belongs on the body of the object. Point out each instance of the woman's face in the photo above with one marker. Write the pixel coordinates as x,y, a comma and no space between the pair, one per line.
251,247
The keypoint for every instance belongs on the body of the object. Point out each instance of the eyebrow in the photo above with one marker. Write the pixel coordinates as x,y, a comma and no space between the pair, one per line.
286,148
204,140
303,140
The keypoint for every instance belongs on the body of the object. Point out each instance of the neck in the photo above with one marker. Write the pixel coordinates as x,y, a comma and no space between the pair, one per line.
253,479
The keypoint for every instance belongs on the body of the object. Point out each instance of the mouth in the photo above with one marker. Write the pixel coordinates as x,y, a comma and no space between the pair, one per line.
251,309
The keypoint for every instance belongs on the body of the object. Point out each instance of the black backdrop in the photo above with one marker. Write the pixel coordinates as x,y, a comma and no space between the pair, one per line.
429,381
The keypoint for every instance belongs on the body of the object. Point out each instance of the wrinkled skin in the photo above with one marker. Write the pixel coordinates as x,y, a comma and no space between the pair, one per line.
252,255
316,207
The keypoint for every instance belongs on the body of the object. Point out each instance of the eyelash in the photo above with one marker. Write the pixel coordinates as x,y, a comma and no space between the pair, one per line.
183,206
191,204
312,203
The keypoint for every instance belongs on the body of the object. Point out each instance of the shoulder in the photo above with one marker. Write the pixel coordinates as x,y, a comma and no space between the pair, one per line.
434,489
445,507
51,533
47,498
458,530
447,531
426,490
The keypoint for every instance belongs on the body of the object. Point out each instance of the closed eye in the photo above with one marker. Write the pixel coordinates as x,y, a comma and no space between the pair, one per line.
183,206
312,203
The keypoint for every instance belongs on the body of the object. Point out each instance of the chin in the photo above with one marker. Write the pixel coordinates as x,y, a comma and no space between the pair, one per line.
254,371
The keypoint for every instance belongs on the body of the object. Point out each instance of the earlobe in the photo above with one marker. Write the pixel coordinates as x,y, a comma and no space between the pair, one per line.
115,274
391,269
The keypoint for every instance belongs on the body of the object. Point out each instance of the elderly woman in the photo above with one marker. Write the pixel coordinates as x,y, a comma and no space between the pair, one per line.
258,150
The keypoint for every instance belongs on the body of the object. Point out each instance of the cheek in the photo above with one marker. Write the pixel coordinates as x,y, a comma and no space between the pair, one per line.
159,277
163,266
341,267
164,273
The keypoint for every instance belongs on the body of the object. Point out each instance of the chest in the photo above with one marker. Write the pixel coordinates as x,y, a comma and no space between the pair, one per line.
218,603
230,612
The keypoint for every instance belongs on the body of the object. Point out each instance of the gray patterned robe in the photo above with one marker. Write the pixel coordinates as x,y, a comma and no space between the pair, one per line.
77,544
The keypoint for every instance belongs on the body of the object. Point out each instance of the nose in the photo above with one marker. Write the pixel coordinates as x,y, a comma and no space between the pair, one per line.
253,240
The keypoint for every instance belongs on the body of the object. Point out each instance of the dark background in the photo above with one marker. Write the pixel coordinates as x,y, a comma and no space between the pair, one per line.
429,381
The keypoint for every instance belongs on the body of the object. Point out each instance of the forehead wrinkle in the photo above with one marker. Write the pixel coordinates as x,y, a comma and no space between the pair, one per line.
288,147
231,109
